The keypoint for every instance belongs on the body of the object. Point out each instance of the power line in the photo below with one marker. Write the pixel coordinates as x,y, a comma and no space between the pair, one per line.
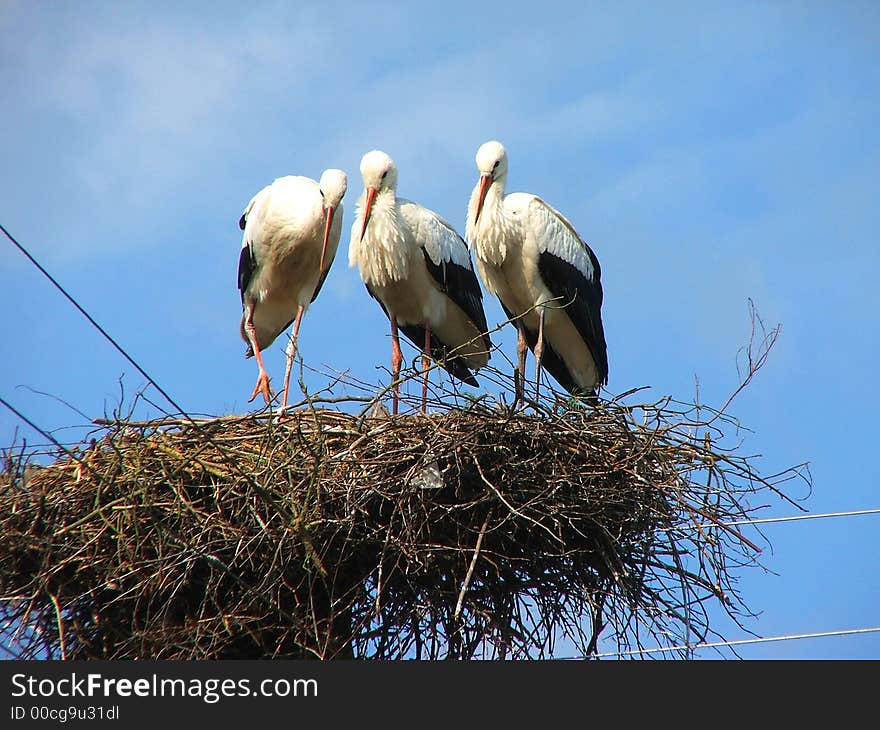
768,520
91,320
128,357
794,518
47,435
223,453
737,642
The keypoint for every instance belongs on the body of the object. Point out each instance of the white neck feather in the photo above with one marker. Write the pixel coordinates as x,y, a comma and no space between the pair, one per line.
383,255
491,233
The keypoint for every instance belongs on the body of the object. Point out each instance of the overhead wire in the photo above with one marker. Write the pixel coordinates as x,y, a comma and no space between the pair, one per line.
89,317
230,462
770,520
46,434
735,642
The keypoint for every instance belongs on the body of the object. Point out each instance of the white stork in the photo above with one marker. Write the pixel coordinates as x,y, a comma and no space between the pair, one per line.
547,278
419,270
291,233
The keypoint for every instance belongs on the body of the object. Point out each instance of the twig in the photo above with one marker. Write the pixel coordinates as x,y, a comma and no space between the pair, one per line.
60,623
470,572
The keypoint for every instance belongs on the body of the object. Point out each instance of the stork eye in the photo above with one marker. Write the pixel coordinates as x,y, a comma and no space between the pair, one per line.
495,166
385,174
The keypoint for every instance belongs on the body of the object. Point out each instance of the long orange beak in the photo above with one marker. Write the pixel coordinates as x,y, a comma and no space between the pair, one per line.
327,224
485,182
368,207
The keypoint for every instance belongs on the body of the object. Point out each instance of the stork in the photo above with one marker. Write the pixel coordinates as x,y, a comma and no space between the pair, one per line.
291,233
546,277
419,270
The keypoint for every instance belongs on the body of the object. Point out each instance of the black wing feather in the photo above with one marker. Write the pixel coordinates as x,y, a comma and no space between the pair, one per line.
461,286
455,366
246,267
322,280
582,300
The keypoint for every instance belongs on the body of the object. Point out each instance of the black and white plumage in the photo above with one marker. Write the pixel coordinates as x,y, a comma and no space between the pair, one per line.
419,270
291,232
547,278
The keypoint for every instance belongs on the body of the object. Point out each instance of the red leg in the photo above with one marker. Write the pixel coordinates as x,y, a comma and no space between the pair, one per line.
426,363
519,376
396,360
262,385
291,353
539,352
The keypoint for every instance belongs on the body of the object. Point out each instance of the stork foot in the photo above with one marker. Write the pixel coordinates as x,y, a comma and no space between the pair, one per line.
281,412
262,386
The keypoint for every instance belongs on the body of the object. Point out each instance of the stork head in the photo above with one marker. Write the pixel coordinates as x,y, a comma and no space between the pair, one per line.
332,185
492,165
379,173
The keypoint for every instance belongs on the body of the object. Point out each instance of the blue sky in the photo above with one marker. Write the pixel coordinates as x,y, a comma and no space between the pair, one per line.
708,152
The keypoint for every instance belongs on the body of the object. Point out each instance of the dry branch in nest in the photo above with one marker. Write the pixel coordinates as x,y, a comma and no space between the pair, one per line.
474,531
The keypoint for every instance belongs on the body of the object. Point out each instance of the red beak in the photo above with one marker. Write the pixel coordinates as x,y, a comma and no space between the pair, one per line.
327,224
485,182
368,207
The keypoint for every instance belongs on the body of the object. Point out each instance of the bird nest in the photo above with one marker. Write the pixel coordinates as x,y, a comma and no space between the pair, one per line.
475,531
